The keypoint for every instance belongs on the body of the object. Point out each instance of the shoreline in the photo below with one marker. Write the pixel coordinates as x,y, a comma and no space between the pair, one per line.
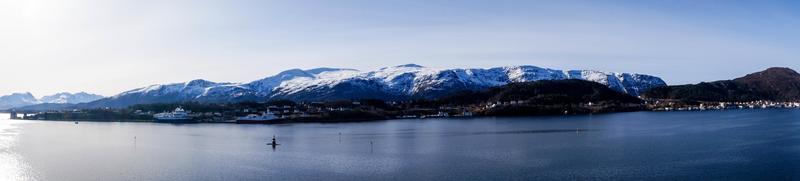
336,121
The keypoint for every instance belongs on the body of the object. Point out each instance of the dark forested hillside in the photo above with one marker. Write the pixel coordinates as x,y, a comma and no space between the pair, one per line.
706,91
546,97
782,84
571,91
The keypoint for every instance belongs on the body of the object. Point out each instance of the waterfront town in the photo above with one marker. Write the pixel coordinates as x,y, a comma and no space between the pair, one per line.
348,111
673,105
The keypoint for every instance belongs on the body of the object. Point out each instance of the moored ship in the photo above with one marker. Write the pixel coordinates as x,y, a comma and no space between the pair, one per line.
179,115
264,118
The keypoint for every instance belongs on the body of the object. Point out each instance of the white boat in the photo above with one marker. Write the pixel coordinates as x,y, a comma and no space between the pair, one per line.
264,118
177,116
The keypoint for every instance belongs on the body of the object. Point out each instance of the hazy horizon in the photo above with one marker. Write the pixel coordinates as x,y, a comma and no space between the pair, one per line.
107,47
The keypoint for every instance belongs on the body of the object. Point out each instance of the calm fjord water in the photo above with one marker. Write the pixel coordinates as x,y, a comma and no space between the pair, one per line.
725,145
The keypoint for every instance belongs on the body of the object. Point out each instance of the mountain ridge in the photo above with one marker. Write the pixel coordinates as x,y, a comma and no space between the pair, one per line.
404,82
15,100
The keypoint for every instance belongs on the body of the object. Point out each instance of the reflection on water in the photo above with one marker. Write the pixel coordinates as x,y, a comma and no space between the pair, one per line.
12,167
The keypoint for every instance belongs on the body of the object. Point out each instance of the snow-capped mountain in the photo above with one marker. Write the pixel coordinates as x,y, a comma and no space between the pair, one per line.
70,98
17,100
392,83
195,90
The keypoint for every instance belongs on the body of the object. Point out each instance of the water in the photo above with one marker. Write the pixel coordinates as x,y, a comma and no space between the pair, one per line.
719,145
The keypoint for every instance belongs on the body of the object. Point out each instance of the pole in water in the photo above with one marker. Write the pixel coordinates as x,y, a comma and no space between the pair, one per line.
340,137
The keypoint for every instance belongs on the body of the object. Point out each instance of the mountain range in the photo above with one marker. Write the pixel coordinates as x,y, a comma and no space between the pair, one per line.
404,82
27,99
777,84
408,82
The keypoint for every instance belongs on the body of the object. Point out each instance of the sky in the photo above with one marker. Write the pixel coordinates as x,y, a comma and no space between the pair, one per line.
110,46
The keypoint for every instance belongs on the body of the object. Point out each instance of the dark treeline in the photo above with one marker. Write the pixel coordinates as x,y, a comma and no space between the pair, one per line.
92,115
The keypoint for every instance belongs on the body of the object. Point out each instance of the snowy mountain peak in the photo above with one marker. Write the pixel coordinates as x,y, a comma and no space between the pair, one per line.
26,96
26,99
265,86
533,73
199,82
293,73
17,100
23,94
69,98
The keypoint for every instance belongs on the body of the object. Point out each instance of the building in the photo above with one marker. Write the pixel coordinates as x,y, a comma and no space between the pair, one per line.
14,114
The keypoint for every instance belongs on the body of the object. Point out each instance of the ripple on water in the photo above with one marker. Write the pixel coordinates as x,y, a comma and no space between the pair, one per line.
12,166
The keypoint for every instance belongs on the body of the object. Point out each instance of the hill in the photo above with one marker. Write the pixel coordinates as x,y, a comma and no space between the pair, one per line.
775,84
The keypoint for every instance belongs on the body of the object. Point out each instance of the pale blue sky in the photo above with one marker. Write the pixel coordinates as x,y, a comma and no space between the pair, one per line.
109,46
